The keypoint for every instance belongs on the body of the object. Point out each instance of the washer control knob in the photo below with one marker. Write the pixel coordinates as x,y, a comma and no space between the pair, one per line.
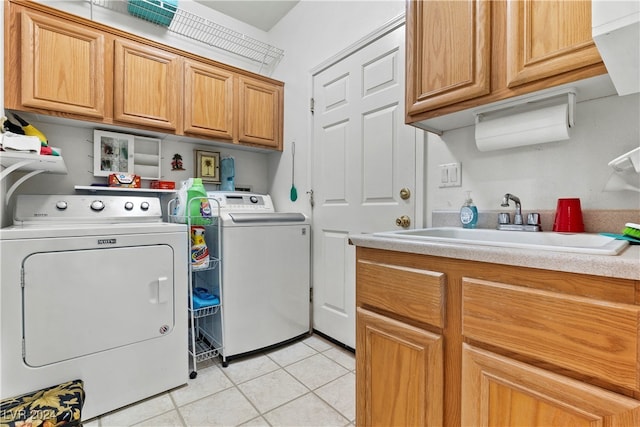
253,199
128,206
61,205
144,206
97,205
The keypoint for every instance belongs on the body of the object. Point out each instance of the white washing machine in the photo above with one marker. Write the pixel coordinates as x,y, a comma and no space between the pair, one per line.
265,273
93,287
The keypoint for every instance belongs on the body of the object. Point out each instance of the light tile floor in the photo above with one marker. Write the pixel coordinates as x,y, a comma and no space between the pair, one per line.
310,382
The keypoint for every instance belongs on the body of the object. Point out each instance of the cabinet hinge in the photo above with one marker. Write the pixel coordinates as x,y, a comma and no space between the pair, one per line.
311,295
312,104
24,349
22,277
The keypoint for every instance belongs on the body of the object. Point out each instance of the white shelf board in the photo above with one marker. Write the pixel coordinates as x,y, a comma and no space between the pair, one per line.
96,188
33,162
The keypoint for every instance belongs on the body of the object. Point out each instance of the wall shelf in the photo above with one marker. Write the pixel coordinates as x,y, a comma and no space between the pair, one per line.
100,188
200,29
32,163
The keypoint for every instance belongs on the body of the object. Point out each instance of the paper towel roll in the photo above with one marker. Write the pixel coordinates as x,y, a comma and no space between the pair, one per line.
529,128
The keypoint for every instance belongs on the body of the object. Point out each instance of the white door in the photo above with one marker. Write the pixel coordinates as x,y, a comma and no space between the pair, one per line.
363,155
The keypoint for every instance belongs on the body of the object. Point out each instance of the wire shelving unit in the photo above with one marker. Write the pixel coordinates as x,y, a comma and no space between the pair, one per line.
197,28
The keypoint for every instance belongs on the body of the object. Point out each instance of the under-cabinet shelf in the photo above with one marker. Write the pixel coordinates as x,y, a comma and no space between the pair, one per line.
32,163
98,188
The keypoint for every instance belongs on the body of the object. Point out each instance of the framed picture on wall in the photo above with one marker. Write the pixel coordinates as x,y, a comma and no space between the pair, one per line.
112,153
207,166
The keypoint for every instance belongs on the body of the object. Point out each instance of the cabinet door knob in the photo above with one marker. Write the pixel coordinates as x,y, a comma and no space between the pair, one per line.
404,221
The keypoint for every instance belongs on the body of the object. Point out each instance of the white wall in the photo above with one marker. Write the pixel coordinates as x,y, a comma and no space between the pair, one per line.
539,175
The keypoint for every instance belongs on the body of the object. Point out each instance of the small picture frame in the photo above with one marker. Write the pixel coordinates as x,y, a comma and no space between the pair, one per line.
207,166
112,153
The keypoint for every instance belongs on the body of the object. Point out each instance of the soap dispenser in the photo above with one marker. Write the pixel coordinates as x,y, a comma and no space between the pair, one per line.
469,213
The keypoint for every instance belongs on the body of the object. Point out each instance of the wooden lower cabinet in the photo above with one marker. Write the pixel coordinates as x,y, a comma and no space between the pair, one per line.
399,379
444,341
499,391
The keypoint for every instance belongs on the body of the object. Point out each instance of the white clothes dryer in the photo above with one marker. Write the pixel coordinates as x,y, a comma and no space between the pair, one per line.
93,288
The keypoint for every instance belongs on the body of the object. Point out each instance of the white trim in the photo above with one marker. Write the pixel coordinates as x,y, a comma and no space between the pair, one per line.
391,25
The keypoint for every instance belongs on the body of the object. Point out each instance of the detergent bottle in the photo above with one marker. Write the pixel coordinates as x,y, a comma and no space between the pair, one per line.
198,208
199,250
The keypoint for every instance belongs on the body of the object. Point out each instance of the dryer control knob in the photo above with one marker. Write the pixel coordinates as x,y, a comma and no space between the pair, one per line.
62,205
253,199
128,206
144,206
97,205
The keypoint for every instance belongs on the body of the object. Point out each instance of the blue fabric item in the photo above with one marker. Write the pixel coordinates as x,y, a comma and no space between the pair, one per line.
202,298
227,174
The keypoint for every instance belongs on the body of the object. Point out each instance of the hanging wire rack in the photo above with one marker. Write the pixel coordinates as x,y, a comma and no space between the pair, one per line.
197,28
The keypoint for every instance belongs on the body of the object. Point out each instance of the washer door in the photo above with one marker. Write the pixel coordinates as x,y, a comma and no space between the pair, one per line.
85,301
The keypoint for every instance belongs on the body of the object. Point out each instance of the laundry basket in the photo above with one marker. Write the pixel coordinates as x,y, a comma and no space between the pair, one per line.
59,405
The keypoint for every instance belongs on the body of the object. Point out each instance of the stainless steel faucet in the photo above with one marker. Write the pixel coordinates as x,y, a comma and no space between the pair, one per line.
517,219
504,223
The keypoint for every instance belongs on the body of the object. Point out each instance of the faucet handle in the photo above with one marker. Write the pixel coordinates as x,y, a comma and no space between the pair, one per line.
533,218
504,218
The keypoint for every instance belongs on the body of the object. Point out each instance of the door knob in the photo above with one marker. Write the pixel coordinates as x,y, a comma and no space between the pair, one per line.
405,193
404,221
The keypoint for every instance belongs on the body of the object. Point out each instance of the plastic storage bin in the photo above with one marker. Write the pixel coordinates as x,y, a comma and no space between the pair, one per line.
156,11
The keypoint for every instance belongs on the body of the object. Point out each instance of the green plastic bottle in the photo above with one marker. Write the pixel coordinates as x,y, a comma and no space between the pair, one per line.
198,204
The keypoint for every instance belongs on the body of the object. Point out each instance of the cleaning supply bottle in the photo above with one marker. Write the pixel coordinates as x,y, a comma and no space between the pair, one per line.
199,250
198,208
469,213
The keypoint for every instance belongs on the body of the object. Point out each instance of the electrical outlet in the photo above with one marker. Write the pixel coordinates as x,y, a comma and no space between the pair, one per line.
450,175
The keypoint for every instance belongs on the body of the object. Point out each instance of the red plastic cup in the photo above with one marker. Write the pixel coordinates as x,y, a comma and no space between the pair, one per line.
568,216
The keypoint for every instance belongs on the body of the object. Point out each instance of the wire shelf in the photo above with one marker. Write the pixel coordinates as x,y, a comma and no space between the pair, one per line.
197,28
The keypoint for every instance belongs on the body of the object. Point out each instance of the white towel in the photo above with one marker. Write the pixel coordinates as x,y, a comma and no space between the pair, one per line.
15,142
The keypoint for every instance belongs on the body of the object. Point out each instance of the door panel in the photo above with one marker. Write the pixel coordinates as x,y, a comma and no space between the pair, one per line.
102,299
48,79
363,154
498,391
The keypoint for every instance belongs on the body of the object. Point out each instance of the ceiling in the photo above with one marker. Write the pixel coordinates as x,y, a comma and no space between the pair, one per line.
263,14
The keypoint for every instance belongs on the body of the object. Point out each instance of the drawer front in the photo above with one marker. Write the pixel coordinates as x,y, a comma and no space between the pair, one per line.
587,336
409,292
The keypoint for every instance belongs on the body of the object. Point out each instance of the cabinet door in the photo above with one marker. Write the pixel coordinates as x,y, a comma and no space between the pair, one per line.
260,110
62,66
208,100
547,38
147,85
448,52
498,391
399,373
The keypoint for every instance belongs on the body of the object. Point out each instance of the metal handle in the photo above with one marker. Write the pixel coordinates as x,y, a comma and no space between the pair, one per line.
405,193
404,221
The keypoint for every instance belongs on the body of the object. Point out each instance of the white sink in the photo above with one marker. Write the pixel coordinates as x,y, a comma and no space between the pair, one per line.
585,243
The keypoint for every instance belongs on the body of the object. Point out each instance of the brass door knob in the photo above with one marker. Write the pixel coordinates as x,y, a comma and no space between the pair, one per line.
404,221
405,193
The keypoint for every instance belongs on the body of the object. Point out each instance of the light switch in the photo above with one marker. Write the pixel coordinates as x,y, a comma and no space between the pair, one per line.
450,175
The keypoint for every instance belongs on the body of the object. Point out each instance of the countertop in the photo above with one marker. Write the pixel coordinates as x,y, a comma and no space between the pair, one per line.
625,265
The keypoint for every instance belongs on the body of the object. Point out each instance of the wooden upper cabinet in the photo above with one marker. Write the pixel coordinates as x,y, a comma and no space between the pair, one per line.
448,52
547,38
147,85
208,100
63,67
260,113
464,54
497,390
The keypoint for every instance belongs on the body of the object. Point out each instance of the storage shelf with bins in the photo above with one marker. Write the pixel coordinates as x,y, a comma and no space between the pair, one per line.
206,330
